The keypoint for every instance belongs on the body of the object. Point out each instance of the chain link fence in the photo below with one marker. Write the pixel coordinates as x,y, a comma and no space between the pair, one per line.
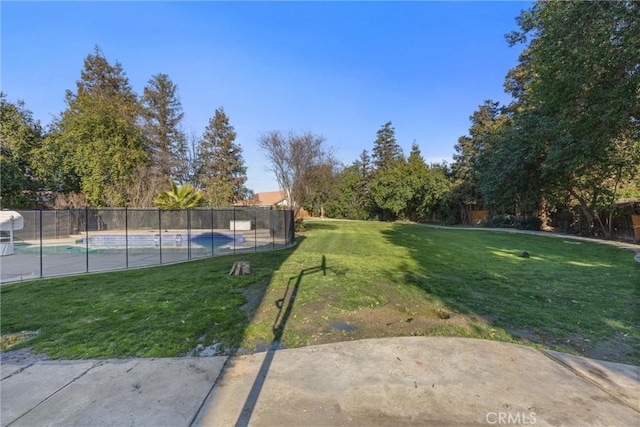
63,242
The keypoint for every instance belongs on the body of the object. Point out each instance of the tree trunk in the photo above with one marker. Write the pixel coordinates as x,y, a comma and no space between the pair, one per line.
588,213
240,268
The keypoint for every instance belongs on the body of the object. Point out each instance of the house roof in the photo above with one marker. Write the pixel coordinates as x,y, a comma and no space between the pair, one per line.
269,198
266,198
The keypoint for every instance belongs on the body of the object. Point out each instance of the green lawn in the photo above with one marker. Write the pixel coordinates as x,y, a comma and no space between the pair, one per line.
347,280
153,312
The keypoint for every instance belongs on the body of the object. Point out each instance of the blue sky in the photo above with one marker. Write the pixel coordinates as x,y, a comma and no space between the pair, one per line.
339,69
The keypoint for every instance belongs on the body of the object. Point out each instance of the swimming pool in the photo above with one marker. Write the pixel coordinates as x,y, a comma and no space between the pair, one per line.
155,240
137,244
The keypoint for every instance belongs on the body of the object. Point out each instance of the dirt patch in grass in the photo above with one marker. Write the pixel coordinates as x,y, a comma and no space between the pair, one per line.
376,323
394,322
617,348
22,356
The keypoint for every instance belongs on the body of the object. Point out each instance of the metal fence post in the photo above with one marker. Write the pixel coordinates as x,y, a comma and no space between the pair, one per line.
285,229
160,232
291,228
86,234
41,271
212,236
126,237
189,234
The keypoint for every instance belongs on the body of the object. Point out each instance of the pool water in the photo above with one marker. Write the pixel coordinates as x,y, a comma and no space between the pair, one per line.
119,244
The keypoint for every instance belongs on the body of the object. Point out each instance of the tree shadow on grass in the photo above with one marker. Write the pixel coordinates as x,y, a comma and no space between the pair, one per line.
319,225
575,299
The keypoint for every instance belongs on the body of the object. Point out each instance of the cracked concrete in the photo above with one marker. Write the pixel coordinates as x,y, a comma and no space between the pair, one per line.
389,381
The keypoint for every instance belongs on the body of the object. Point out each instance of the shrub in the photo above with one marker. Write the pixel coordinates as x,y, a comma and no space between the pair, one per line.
299,225
512,221
502,221
529,223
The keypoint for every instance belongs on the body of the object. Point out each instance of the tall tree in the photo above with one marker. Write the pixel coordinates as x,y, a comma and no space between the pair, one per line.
320,187
389,191
352,196
509,168
291,157
428,185
350,202
385,148
98,133
365,168
221,172
466,168
166,143
20,135
579,78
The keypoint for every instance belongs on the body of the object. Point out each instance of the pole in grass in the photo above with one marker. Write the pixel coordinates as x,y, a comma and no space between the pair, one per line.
41,272
160,232
126,236
213,250
189,234
86,233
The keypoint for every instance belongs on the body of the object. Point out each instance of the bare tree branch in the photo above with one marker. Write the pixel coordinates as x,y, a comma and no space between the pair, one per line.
291,157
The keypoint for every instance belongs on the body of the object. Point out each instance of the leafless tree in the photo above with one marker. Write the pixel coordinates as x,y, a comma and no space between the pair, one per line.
291,156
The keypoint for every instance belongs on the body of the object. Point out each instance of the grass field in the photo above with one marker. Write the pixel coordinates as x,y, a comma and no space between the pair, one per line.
344,281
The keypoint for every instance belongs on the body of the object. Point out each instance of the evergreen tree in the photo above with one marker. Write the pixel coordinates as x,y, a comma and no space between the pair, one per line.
352,199
166,143
221,172
20,135
485,122
385,148
365,169
416,177
388,188
364,161
98,134
429,186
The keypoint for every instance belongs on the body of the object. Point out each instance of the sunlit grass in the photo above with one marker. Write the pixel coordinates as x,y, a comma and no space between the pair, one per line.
562,296
378,279
154,312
